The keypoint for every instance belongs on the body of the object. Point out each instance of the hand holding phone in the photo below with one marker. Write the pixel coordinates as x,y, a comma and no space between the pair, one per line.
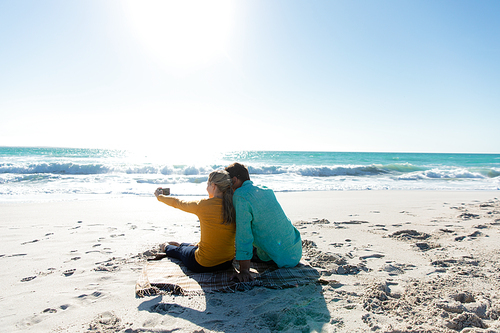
162,191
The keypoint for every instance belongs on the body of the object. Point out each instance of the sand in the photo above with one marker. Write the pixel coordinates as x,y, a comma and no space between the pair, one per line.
390,261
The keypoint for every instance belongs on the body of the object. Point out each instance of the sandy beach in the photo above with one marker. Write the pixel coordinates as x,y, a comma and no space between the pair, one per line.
390,261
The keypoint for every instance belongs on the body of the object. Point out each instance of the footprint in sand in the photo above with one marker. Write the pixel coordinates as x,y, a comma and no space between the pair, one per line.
393,269
481,226
69,272
215,302
409,234
107,266
379,227
475,234
29,278
351,222
50,270
95,294
106,250
375,255
33,241
106,322
423,246
163,308
468,216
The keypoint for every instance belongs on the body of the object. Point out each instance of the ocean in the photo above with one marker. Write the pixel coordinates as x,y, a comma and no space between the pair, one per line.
33,174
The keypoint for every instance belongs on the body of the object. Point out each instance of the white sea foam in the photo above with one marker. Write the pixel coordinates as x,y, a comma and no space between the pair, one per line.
59,174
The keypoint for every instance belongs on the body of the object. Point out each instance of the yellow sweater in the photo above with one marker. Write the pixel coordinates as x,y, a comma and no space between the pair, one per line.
216,244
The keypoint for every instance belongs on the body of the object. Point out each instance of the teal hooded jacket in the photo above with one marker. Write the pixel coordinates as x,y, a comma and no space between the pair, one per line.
262,223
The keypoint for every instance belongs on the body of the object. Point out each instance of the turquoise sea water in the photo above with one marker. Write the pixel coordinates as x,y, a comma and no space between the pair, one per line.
32,174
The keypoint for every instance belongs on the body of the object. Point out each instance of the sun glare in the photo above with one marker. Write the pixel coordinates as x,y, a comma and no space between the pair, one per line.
182,34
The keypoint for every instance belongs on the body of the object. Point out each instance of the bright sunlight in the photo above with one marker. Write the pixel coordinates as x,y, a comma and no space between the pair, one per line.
182,34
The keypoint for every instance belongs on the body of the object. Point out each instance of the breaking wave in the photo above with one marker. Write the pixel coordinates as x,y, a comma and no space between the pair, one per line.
400,171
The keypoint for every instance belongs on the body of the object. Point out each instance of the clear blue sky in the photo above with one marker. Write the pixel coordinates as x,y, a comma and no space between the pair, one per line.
416,76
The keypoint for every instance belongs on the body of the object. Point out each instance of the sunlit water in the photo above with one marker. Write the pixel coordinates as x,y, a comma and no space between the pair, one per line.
39,174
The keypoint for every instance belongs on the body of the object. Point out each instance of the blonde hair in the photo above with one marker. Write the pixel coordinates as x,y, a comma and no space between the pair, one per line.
223,182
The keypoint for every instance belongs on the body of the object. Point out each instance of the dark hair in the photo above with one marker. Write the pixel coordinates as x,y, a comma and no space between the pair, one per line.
239,171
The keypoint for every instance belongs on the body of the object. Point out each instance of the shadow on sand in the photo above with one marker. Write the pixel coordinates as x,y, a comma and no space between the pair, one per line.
297,309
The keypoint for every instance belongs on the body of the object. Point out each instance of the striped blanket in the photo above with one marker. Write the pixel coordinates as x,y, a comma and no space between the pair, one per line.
171,276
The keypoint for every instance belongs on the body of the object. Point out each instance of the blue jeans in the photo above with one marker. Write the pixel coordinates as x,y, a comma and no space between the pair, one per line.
185,253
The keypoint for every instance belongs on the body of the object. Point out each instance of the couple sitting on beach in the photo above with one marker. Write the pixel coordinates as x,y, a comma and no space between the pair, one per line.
238,217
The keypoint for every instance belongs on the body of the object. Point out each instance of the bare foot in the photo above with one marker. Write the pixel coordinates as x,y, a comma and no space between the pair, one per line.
163,246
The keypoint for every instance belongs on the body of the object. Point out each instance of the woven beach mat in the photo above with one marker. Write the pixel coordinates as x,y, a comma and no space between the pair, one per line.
170,276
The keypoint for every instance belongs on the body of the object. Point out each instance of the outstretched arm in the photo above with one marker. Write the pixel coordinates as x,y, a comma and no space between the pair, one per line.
187,206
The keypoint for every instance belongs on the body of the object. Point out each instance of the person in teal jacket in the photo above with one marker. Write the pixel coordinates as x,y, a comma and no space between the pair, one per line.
263,231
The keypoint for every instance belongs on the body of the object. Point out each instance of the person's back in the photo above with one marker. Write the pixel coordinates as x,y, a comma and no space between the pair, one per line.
261,222
215,250
216,244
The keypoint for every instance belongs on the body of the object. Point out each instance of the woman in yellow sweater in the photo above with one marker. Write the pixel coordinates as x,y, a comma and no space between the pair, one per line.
215,250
